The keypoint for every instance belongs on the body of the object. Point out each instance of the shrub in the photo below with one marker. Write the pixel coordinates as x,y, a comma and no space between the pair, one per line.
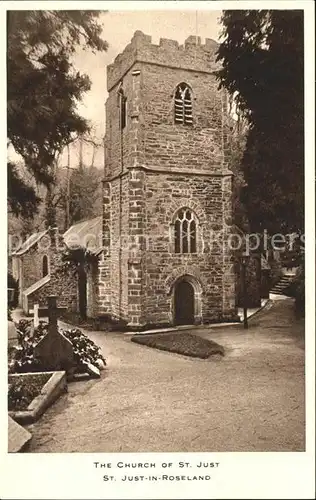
22,357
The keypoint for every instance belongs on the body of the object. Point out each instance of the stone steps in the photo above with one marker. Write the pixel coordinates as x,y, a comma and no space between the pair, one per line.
282,284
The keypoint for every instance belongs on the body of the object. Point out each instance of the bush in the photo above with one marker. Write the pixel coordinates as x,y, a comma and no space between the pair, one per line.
22,358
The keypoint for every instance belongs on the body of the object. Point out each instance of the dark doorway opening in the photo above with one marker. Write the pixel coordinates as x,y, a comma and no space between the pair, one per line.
82,287
184,303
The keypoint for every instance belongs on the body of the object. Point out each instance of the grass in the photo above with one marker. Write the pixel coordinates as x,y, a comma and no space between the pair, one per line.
23,389
181,343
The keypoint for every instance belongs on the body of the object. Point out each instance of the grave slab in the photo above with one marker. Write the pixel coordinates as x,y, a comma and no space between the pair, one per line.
18,437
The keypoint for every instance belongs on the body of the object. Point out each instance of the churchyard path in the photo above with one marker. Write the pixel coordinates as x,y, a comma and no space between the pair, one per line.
155,401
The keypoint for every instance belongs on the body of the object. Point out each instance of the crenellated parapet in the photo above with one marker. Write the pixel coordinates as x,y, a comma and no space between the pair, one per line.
193,55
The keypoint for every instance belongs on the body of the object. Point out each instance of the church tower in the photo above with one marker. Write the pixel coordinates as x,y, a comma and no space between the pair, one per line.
167,191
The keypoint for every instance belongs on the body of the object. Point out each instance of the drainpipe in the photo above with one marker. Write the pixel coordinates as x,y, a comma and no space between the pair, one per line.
120,203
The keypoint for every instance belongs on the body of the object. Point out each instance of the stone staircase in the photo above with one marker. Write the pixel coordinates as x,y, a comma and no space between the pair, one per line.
282,284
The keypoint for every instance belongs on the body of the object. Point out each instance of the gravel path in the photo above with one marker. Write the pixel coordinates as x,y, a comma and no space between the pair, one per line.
155,401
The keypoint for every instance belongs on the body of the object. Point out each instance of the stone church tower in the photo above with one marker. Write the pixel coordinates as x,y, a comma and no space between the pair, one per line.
167,191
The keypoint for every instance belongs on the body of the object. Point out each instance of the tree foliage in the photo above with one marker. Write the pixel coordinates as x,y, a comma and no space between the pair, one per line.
77,192
262,56
80,188
22,196
85,194
43,91
234,150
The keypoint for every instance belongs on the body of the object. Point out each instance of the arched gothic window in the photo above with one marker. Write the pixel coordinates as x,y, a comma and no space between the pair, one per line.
122,106
183,105
45,266
185,232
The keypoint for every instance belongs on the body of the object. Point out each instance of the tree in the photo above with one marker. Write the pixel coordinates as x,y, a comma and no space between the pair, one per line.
81,195
262,55
76,193
43,90
85,194
237,131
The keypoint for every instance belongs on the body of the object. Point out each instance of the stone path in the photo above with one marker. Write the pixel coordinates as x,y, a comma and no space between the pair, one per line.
148,400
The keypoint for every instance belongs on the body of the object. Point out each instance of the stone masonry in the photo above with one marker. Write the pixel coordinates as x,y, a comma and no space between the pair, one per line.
155,167
61,284
29,271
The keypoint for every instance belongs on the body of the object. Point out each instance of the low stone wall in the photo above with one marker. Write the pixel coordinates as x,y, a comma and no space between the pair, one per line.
56,385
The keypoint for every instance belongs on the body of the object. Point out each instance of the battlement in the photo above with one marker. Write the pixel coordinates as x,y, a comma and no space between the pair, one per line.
192,55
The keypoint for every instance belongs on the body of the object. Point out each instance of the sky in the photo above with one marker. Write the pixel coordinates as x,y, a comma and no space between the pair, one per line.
118,29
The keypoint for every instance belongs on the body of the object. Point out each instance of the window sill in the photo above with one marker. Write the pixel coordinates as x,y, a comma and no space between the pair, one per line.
191,253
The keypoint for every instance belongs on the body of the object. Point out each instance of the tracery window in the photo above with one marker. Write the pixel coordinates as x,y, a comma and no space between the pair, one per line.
185,231
183,105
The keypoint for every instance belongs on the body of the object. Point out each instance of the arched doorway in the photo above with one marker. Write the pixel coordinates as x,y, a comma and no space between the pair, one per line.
184,306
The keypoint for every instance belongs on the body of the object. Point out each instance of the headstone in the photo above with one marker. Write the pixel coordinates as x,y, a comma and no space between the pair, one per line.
12,334
35,318
54,350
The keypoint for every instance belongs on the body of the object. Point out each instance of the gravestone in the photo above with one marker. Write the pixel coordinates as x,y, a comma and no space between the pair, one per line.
12,334
54,350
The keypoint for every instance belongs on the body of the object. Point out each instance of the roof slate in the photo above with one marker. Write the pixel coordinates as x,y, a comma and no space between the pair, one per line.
85,234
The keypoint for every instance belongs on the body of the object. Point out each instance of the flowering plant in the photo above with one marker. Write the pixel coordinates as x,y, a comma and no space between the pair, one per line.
23,359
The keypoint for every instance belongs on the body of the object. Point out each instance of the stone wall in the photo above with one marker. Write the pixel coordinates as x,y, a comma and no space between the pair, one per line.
193,55
104,268
211,265
32,265
164,145
141,257
61,283
154,167
150,135
92,291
